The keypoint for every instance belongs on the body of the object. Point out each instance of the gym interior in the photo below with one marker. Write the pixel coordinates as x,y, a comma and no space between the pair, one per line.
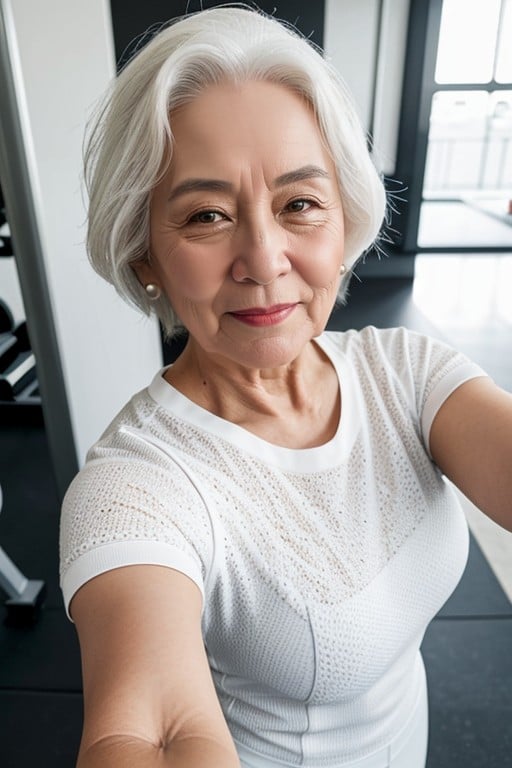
433,84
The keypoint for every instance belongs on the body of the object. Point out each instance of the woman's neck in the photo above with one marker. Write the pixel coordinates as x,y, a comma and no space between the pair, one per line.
295,405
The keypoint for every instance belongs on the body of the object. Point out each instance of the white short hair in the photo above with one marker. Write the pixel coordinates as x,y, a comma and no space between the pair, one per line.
132,135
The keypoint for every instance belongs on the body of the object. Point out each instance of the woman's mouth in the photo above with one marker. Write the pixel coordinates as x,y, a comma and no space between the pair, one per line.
264,316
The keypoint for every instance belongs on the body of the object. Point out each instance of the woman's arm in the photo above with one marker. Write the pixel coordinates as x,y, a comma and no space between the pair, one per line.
471,442
148,694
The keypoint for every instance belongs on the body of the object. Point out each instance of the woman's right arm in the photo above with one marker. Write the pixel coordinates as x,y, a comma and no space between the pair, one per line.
149,698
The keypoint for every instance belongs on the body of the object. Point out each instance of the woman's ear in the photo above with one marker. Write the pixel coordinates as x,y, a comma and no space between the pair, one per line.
144,272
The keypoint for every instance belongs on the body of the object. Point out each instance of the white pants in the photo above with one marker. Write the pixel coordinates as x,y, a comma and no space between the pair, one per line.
407,750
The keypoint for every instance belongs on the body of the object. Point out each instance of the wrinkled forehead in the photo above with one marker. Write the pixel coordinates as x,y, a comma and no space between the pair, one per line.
254,124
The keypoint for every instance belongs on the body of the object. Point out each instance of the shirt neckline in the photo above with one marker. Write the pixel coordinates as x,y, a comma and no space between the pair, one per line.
325,456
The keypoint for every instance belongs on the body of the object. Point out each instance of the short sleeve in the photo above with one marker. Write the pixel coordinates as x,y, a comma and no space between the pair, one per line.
435,370
418,370
129,512
443,388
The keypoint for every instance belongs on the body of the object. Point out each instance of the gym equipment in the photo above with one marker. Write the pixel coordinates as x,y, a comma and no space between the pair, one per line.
18,384
5,234
25,596
18,379
6,318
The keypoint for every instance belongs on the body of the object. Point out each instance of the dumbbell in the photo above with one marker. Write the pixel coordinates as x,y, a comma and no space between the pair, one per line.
6,318
25,596
18,378
5,235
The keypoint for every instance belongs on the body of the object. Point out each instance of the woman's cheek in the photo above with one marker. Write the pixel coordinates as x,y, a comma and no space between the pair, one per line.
196,273
321,261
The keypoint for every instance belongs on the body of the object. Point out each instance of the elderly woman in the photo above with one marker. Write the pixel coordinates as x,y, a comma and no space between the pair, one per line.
258,541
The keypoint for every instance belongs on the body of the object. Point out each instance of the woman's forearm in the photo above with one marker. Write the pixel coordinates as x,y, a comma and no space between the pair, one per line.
131,752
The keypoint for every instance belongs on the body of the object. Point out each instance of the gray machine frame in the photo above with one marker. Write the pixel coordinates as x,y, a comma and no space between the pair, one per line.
24,596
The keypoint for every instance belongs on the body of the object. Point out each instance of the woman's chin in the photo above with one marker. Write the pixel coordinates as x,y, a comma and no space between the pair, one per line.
269,351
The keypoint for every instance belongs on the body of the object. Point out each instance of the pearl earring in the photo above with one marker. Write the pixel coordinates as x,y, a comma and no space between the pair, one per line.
153,291
343,269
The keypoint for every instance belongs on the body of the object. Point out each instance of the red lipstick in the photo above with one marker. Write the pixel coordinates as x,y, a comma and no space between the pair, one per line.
264,316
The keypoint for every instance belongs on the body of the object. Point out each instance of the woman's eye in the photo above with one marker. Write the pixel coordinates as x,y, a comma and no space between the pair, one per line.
206,217
299,206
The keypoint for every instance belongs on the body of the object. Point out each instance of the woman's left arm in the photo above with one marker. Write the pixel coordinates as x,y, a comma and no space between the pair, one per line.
471,442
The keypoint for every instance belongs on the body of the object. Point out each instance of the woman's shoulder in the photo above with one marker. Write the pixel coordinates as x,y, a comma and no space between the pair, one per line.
373,342
424,369
127,455
385,342
418,361
126,436
133,502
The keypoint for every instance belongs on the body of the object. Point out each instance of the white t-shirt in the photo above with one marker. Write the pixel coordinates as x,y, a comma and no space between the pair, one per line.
320,567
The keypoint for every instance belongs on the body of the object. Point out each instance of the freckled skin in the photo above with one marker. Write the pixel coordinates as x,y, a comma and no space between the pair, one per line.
258,238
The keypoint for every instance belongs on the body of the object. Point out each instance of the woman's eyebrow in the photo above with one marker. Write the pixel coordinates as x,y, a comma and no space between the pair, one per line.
219,185
300,174
200,185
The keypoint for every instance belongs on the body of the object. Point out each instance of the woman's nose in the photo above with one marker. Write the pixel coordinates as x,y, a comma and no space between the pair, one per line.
260,252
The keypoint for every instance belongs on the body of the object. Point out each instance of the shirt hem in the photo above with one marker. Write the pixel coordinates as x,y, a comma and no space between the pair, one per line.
118,554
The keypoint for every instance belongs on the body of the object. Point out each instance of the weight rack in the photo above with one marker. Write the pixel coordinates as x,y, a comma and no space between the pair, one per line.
19,389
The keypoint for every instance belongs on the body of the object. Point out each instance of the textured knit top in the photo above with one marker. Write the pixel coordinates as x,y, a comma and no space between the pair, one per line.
320,567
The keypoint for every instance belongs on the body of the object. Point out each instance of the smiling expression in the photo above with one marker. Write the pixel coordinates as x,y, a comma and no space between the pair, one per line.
247,225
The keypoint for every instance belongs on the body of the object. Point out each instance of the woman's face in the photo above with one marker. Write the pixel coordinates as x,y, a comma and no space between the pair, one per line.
247,225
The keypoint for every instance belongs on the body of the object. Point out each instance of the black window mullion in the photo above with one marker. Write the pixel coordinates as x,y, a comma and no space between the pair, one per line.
418,89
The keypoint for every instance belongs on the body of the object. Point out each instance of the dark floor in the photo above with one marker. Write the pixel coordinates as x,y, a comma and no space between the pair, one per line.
467,648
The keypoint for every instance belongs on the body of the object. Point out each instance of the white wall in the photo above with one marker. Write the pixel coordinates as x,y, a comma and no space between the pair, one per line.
351,39
388,92
350,42
62,55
